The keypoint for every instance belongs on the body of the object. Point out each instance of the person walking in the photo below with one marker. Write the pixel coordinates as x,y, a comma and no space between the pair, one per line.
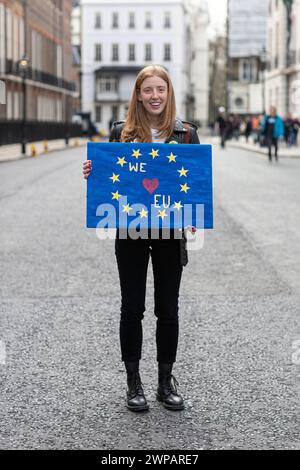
221,122
273,129
151,117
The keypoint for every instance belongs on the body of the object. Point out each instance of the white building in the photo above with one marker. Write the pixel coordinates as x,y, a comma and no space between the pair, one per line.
247,42
282,86
198,66
119,38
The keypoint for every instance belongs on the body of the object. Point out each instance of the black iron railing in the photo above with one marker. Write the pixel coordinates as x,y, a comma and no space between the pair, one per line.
12,68
11,131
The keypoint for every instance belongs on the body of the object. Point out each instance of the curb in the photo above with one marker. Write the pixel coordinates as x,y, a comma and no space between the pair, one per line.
23,157
261,152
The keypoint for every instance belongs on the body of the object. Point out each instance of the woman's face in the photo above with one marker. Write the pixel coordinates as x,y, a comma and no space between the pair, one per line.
154,94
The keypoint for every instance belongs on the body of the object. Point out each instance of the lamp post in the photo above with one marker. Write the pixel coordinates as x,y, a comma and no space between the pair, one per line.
288,5
263,62
23,69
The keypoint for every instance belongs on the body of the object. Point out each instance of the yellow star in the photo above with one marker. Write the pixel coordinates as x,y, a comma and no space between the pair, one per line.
121,161
154,153
184,187
178,205
162,214
182,172
127,208
172,158
114,178
143,213
116,195
136,154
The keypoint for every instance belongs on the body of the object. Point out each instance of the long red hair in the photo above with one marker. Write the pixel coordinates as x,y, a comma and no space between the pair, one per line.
137,124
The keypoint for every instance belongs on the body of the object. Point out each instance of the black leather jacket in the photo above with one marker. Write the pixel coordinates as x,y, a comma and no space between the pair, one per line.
179,135
183,132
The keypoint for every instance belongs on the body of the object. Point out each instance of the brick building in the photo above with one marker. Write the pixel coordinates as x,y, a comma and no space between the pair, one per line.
41,30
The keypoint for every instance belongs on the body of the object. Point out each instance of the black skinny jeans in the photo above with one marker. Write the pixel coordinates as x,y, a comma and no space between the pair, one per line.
132,258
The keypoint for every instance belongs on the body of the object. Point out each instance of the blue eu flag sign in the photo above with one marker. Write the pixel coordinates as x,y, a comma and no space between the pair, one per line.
149,185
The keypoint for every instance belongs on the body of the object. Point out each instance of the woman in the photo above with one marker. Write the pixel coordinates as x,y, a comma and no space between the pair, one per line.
151,118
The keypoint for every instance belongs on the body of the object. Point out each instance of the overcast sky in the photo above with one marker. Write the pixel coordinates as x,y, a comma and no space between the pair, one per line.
217,10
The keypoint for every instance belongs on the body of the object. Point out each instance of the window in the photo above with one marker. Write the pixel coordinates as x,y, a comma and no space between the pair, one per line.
115,113
98,52
2,38
248,71
98,21
148,21
167,52
131,23
16,105
115,52
115,20
9,105
98,113
131,52
167,23
107,84
148,52
239,102
9,41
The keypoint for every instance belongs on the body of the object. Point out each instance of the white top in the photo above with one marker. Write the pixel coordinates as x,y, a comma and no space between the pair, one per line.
154,133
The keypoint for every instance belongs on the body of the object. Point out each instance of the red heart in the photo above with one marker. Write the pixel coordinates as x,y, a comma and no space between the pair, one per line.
150,185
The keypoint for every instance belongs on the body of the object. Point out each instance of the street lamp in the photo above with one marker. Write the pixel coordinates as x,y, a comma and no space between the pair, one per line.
23,70
263,62
288,5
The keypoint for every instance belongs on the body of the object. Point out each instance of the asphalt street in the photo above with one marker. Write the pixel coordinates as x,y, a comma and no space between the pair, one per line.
62,380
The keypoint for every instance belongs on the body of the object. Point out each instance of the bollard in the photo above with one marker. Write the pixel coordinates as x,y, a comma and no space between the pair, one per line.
33,150
46,146
76,143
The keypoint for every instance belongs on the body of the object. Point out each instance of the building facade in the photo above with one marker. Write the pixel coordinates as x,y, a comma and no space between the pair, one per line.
246,51
41,31
282,85
120,39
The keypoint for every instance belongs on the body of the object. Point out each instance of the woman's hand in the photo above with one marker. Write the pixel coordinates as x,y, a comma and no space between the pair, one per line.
87,166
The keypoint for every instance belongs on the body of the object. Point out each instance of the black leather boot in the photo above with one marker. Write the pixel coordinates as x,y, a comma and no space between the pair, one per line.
167,391
136,400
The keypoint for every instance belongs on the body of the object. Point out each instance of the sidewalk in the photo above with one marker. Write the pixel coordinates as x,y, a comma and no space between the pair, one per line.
283,151
34,149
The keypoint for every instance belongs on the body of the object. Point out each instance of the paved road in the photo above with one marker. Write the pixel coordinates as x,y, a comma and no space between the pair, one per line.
63,383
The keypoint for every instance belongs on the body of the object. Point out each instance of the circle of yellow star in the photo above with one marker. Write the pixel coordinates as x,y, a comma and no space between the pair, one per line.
184,187
136,153
162,214
114,178
127,208
178,205
171,157
182,172
116,195
121,161
154,153
143,213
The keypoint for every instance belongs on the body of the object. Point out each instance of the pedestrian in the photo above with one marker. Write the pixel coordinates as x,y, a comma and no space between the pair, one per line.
273,129
289,129
221,122
151,117
248,128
